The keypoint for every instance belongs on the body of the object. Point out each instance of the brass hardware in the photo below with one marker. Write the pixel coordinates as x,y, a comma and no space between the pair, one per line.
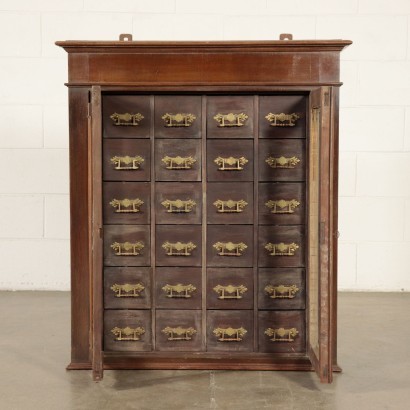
178,120
125,37
126,205
282,334
231,119
127,290
230,291
286,36
282,249
282,162
127,333
230,334
127,119
230,205
180,332
127,248
229,248
178,205
179,290
281,291
283,207
230,163
282,119
127,160
178,248
178,162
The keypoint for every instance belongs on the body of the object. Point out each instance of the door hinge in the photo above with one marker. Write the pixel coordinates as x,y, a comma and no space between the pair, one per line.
89,105
100,232
326,99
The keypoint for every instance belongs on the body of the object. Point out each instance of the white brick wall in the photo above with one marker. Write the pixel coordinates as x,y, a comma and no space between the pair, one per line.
375,119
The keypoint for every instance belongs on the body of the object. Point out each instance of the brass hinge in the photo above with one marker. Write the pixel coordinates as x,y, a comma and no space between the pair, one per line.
326,101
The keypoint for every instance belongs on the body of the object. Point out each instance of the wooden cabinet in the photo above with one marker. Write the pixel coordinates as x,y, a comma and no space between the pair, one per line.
204,205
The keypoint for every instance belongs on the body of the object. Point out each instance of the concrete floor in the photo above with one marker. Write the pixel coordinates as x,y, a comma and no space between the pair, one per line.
374,340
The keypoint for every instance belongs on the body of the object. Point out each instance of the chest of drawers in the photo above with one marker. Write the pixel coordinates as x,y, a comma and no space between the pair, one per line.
204,205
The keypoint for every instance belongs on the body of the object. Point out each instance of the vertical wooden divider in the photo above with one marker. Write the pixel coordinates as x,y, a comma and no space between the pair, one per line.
204,221
255,218
153,220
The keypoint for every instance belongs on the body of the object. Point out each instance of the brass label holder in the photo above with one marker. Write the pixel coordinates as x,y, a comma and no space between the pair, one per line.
231,119
178,248
179,290
230,248
127,290
230,206
178,120
179,333
281,291
282,119
282,206
126,119
126,205
128,334
230,334
281,334
230,163
126,162
127,248
179,206
230,291
178,162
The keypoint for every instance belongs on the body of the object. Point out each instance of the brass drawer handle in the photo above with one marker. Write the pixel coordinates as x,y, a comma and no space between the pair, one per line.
231,119
230,291
283,207
282,119
127,248
127,162
179,333
126,205
126,119
178,248
281,249
178,120
230,163
230,206
127,290
230,334
179,290
282,334
282,162
230,248
178,162
128,333
178,206
281,291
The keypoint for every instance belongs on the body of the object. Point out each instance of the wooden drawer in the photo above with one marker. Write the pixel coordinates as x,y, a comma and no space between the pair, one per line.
282,332
178,330
178,160
127,331
229,117
178,245
127,245
229,331
178,288
230,246
126,116
281,288
126,160
282,203
292,122
230,203
126,203
281,246
282,160
127,288
178,203
229,288
178,116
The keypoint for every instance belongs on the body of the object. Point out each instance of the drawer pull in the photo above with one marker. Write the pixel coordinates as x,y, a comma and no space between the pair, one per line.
282,162
178,120
282,249
178,205
230,248
230,334
231,119
179,333
127,290
126,205
179,290
281,291
127,162
230,291
282,334
230,163
178,248
178,162
230,205
126,119
283,207
127,248
282,119
128,334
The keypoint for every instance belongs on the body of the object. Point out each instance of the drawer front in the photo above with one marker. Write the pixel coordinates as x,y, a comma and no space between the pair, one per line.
230,246
178,288
230,288
178,116
178,160
281,288
126,160
178,245
282,116
229,331
282,160
229,117
126,203
178,331
127,288
127,245
282,332
126,116
178,203
230,203
281,246
127,331
282,204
